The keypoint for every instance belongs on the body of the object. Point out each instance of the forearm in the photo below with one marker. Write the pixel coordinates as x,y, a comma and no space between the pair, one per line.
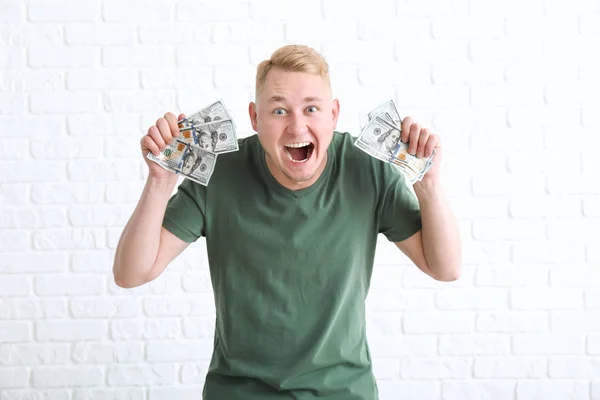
139,242
440,234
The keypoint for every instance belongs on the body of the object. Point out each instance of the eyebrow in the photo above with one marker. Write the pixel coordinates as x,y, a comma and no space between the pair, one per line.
309,99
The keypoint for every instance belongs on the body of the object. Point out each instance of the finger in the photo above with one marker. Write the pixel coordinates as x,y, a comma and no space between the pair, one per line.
432,143
405,129
172,120
156,137
165,130
423,138
413,140
147,143
181,116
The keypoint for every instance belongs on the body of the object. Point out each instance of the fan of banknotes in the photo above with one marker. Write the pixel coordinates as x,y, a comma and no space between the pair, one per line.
204,135
380,138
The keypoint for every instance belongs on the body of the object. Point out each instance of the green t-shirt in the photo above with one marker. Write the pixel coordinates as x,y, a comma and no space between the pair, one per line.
291,270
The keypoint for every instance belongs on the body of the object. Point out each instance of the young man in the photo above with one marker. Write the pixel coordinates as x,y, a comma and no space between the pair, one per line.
291,222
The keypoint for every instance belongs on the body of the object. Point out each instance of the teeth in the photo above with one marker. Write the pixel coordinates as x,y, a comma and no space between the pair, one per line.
296,145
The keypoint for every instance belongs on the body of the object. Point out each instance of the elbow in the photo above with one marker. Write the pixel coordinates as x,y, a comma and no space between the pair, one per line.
449,274
125,282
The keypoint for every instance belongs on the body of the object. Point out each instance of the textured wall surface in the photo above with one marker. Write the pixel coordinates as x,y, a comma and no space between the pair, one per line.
512,87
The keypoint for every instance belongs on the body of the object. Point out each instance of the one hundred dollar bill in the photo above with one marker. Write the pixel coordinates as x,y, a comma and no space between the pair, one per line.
388,112
216,137
216,111
188,160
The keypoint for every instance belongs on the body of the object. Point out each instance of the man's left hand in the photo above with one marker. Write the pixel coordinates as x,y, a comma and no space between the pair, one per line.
421,142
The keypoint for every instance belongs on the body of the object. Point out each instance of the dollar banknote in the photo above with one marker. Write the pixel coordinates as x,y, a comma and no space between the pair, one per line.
381,138
216,137
188,160
216,111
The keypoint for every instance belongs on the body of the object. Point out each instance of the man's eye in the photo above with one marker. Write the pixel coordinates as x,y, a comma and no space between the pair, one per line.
279,111
312,109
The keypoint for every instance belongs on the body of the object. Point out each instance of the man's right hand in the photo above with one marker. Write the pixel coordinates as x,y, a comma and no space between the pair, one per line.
159,136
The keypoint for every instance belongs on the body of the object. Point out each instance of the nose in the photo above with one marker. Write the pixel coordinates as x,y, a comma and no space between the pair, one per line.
297,124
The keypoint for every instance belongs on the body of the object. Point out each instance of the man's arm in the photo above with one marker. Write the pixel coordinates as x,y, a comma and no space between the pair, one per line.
436,248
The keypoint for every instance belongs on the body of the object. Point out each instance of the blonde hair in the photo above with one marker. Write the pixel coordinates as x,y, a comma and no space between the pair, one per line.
293,58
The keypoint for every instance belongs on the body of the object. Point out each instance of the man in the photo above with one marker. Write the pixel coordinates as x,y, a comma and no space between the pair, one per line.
291,222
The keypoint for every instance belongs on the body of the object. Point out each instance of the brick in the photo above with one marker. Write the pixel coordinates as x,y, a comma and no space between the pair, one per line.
11,11
34,354
386,368
13,104
12,58
511,276
14,377
128,147
467,27
255,31
135,102
158,374
138,56
471,299
230,78
65,103
519,72
199,305
66,193
177,78
575,7
168,33
507,139
62,285
393,74
12,331
593,344
105,79
269,10
135,11
437,96
106,34
499,95
123,192
13,194
485,253
227,10
84,216
11,286
202,327
548,253
150,329
593,254
591,206
61,11
592,299
574,230
575,321
409,390
505,184
29,218
31,80
63,239
438,368
105,308
564,184
180,351
63,56
190,374
588,73
589,24
70,330
67,377
545,161
545,206
547,389
544,117
105,353
498,229
497,50
458,73
110,393
509,367
570,48
548,343
562,94
33,263
542,298
67,149
574,367
513,321
544,26
411,8
509,7
438,322
29,35
14,149
13,240
33,309
429,50
474,345
102,171
409,28
334,10
478,390
111,125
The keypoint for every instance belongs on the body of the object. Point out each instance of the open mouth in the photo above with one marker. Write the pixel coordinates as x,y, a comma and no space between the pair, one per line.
299,152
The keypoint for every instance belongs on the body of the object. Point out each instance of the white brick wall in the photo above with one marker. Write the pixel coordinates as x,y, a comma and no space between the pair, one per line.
512,87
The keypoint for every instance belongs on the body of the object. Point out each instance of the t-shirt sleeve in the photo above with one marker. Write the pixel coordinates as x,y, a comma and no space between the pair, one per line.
400,215
184,216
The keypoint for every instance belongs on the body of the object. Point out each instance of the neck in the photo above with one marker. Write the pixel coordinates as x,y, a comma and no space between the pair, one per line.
288,183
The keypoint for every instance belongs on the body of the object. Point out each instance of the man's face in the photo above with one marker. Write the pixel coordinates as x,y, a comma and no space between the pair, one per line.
294,117
392,140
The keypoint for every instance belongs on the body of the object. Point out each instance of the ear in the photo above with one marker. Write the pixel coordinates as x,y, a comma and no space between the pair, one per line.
335,111
253,115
